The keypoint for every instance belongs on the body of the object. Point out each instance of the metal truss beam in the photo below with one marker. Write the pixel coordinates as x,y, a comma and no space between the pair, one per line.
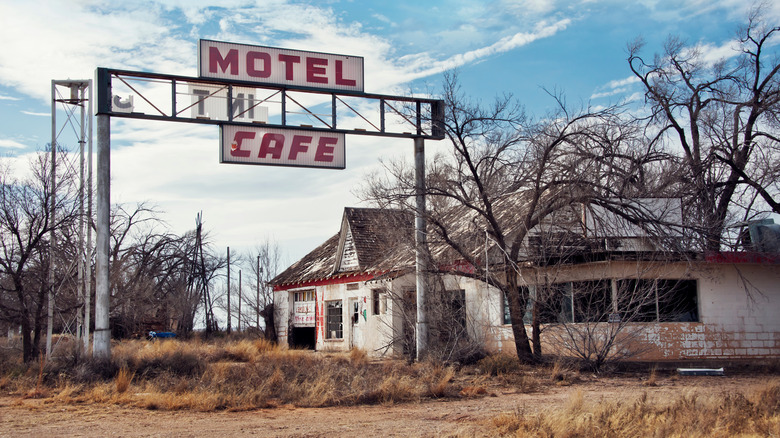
153,96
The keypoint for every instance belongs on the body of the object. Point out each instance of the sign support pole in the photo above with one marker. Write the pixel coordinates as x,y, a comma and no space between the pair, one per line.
102,337
421,243
53,222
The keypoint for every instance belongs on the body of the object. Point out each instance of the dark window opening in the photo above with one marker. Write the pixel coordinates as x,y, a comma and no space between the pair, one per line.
457,307
678,301
334,321
303,337
379,302
592,300
554,303
662,300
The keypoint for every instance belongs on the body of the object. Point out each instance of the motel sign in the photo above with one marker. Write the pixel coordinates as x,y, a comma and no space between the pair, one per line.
273,106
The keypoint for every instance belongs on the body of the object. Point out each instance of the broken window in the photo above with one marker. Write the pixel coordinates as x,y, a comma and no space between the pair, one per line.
379,301
662,300
592,300
457,307
554,303
334,320
636,300
529,293
678,301
304,295
507,317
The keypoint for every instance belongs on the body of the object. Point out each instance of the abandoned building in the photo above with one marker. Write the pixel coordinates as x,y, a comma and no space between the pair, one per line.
356,291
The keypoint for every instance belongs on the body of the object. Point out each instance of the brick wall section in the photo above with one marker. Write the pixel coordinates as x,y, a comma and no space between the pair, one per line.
739,318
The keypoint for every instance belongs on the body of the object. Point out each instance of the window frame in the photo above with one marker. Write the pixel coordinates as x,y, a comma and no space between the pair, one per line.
334,319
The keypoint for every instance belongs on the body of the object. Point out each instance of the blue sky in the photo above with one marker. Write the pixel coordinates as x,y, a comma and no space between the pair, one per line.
518,47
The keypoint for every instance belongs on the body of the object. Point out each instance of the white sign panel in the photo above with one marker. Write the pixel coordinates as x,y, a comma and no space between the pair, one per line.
284,67
282,147
211,102
303,314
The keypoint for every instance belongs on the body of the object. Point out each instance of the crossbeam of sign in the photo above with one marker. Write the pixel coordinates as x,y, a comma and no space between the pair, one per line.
294,107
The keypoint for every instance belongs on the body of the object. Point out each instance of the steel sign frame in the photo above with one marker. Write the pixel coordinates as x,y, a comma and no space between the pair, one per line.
154,96
391,116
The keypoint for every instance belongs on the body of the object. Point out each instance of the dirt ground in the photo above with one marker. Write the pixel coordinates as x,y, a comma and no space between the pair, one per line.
41,418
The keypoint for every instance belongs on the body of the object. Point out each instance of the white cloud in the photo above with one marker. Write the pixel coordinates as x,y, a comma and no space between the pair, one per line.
12,144
8,98
176,165
619,83
31,113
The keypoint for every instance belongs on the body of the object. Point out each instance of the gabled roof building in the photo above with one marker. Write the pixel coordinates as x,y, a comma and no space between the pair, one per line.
356,291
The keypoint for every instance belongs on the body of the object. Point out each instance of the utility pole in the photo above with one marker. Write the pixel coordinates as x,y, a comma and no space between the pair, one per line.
78,95
52,221
88,249
257,302
239,301
229,329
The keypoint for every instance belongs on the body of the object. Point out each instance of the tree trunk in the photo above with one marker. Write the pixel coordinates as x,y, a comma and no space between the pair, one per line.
536,333
270,324
516,314
29,350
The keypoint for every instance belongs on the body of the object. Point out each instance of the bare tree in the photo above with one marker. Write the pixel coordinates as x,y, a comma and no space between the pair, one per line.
723,117
263,264
159,279
25,222
508,173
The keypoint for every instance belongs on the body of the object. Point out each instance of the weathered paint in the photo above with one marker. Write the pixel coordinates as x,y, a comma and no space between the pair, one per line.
734,323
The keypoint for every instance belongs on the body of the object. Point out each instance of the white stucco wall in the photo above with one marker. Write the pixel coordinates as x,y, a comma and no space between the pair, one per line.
739,312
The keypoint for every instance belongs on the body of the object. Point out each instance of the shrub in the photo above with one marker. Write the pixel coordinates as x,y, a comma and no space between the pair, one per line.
497,364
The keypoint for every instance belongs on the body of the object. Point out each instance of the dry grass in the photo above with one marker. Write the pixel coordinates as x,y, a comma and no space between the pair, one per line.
123,380
563,374
689,415
228,375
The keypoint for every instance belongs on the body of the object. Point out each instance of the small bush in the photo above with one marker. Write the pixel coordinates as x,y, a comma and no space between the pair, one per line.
497,364
123,379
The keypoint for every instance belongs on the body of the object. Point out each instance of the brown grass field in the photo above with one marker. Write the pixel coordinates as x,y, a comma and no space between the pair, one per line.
252,388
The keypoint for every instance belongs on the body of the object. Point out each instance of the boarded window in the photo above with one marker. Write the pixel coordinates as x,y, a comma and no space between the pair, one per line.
334,320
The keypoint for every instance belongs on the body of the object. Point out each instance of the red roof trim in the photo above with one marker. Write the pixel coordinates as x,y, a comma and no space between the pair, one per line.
734,257
336,279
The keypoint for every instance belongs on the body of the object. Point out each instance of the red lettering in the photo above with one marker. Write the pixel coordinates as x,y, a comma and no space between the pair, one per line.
235,148
300,143
266,148
216,60
340,75
289,62
315,70
325,149
251,62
